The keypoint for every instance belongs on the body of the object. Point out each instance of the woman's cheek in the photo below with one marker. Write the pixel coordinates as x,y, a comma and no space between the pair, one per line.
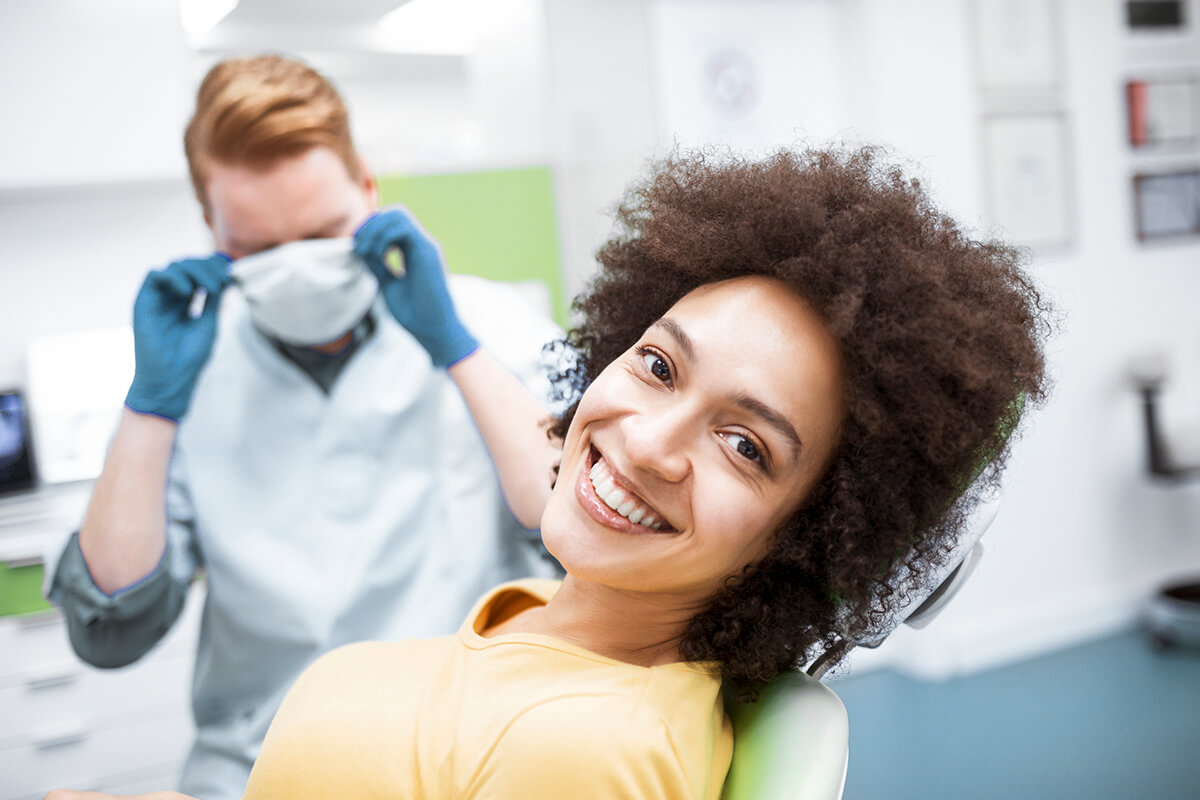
731,518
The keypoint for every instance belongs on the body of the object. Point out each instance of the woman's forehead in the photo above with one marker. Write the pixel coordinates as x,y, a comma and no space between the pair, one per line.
757,337
754,311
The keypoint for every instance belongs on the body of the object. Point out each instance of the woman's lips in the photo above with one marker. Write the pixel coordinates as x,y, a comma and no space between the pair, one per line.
602,512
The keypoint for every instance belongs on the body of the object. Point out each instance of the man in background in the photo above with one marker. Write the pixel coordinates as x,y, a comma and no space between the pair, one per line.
301,448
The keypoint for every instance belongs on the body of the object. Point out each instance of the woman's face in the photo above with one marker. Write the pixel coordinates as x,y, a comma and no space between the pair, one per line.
705,437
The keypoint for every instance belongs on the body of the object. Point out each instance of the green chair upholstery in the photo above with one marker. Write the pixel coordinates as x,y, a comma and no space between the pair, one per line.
792,744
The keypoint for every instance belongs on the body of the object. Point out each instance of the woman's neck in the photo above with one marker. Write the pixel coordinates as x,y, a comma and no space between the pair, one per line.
637,628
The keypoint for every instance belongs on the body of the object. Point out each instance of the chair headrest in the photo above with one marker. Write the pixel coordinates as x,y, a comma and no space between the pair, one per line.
943,583
792,742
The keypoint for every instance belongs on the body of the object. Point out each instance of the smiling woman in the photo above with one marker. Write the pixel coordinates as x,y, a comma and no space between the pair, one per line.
937,334
786,373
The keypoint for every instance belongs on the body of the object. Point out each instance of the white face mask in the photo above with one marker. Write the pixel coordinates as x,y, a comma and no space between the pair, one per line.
306,293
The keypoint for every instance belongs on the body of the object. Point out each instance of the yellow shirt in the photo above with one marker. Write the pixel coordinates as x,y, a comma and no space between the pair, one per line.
511,716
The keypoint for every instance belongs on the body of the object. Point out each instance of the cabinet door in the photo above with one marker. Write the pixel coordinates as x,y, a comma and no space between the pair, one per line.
75,697
76,757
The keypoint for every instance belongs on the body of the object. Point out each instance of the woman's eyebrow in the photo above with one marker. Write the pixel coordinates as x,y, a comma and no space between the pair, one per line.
772,417
681,338
744,401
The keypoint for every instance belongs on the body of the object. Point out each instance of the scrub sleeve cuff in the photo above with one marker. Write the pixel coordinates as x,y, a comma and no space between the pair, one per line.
109,630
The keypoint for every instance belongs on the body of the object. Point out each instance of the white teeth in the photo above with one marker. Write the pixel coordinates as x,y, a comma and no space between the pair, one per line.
618,500
614,499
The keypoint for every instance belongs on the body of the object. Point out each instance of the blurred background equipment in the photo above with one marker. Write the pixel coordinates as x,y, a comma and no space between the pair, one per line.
16,451
1172,614
77,384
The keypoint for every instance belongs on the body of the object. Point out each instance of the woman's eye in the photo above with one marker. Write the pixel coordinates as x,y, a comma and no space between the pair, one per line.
658,368
745,447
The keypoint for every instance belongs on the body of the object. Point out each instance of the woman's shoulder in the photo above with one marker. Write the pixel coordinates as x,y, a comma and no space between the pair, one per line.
620,742
604,744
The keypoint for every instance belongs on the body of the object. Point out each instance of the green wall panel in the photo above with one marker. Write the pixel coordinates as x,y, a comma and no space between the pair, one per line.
499,224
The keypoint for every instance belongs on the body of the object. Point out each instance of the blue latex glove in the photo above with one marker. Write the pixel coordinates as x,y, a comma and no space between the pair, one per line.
415,292
170,346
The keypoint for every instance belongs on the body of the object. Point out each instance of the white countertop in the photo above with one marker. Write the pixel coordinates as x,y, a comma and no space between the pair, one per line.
31,519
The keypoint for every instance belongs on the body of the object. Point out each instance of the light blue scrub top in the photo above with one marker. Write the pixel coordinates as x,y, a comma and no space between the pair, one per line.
370,511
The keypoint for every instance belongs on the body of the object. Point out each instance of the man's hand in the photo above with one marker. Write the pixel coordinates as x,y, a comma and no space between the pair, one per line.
416,292
171,344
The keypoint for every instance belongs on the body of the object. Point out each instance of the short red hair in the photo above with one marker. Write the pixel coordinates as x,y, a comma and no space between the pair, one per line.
255,111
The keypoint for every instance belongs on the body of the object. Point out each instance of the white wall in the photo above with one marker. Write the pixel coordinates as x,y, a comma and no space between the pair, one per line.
1084,534
755,76
603,124
91,91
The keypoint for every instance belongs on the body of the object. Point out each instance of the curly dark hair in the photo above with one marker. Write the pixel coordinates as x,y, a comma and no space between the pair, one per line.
941,338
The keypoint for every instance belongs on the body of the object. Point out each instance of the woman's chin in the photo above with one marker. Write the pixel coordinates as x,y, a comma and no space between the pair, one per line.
556,530
569,545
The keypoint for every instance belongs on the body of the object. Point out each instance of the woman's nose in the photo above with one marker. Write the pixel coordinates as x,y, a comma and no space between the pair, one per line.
659,444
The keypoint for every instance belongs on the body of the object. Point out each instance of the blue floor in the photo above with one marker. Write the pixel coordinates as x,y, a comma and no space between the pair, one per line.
1111,719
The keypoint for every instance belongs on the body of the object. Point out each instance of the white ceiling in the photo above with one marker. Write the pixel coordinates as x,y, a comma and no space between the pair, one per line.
255,13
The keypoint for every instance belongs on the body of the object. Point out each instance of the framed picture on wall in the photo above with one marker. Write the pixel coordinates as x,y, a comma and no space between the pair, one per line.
1017,44
1155,16
1027,180
1167,204
1163,111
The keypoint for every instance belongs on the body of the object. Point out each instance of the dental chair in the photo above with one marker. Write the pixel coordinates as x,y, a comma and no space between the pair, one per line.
1173,459
793,743
1171,616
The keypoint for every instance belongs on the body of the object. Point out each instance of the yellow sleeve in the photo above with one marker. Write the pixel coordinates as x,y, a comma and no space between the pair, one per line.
584,747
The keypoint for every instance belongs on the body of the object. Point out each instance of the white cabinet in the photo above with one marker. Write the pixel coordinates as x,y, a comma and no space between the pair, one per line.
96,758
64,724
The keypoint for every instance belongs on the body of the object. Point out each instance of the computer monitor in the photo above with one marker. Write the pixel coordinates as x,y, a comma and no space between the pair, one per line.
16,449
